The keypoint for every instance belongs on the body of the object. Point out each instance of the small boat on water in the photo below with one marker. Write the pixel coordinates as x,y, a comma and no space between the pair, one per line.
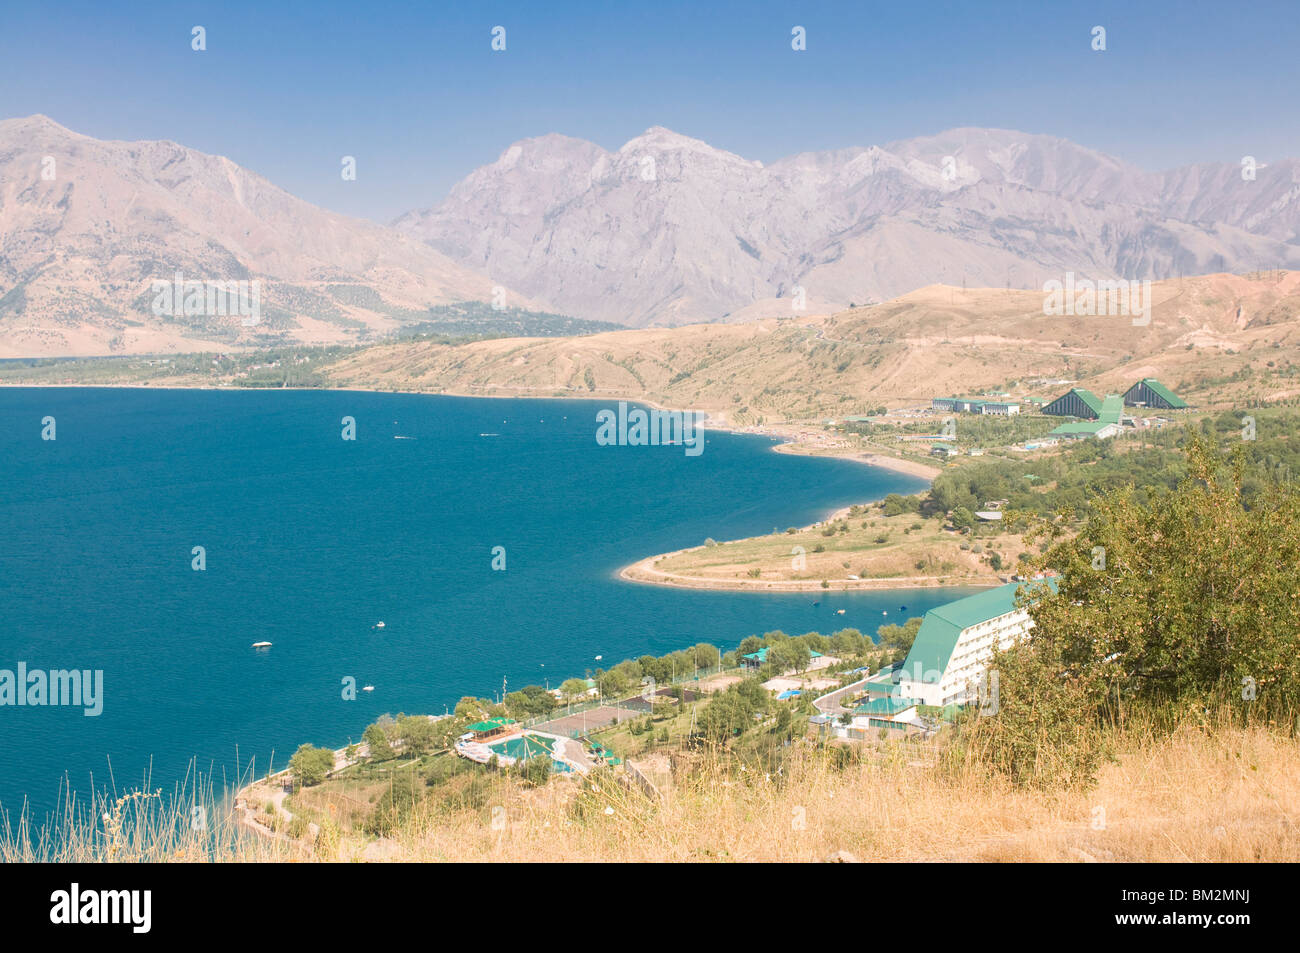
377,625
489,435
368,688
261,645
839,612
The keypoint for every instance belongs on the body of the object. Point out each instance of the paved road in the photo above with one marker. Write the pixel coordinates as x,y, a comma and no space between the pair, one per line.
830,704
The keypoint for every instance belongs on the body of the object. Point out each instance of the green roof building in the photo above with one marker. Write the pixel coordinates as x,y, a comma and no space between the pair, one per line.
885,707
1149,392
956,639
490,727
1101,417
1078,402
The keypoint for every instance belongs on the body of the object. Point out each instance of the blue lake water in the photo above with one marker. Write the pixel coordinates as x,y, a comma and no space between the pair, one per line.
310,540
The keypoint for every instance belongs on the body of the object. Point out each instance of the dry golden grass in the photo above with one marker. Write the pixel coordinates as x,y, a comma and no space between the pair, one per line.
189,824
1199,795
1229,795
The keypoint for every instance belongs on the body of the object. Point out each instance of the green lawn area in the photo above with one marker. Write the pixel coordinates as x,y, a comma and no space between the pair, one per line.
621,740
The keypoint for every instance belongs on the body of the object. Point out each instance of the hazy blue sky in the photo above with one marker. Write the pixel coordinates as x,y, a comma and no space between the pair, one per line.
417,95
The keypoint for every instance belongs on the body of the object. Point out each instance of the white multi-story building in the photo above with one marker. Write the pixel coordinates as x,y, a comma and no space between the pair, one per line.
955,641
1000,408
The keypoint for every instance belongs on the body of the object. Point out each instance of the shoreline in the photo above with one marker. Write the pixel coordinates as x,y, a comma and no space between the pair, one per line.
788,433
643,572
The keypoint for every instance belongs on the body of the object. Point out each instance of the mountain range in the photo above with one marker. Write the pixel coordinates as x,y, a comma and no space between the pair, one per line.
669,230
666,230
87,225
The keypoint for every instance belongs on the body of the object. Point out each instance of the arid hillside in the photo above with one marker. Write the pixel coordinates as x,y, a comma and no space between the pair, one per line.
1216,339
87,225
1202,795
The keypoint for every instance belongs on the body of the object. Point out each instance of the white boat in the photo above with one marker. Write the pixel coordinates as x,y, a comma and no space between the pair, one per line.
839,612
368,688
377,625
261,645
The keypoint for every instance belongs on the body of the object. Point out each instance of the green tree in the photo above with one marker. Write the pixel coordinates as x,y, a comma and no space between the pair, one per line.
310,765
417,734
468,707
377,741
899,637
847,642
706,655
573,688
1167,605
612,684
896,505
815,641
788,655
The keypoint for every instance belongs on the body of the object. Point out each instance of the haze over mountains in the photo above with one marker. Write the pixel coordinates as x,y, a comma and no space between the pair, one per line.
79,250
668,229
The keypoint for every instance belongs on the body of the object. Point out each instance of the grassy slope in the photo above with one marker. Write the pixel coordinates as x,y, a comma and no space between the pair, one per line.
1227,795
895,559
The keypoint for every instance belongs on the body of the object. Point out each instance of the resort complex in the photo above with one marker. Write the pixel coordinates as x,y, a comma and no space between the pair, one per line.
1151,393
948,658
999,408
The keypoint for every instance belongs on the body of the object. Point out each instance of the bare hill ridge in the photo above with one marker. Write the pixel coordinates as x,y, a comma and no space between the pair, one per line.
1218,338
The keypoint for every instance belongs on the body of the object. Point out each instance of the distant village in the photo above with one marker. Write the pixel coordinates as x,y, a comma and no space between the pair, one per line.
1144,405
